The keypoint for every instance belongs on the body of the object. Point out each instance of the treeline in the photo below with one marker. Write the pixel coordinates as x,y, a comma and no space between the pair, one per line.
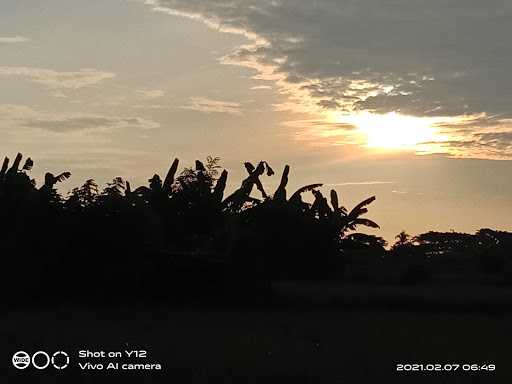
180,235
434,257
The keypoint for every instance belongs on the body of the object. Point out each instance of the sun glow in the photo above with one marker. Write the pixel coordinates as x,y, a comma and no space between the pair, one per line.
394,131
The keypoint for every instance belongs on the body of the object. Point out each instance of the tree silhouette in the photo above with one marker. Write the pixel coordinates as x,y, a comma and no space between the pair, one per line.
182,235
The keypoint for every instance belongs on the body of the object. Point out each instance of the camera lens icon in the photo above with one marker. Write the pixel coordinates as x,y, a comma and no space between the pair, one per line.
58,357
38,365
21,360
40,360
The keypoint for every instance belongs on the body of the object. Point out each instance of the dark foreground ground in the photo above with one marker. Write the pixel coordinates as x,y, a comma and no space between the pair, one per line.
314,341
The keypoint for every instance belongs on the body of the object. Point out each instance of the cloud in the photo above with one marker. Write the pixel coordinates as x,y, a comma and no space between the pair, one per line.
25,117
260,87
58,94
13,39
495,145
416,57
205,105
371,182
57,80
310,130
150,106
150,94
81,123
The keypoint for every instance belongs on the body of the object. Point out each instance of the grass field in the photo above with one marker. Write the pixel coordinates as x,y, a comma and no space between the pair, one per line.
308,343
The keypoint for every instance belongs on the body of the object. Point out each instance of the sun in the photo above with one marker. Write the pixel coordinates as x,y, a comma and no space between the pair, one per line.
394,131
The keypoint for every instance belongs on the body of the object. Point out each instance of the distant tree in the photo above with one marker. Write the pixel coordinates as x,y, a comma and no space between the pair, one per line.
452,243
365,241
403,240
115,188
493,252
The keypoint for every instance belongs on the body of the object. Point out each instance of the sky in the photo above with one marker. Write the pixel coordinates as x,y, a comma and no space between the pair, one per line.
408,100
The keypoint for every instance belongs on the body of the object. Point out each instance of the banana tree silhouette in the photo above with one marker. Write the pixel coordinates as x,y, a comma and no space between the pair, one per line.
337,215
157,189
18,197
48,191
15,180
282,238
236,201
267,236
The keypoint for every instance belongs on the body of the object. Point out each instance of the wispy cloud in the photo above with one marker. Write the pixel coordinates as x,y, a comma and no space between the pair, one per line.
22,116
205,105
150,106
150,94
260,87
55,79
370,182
59,94
92,122
13,39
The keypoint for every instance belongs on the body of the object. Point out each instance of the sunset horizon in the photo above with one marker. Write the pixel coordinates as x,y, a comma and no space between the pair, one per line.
420,122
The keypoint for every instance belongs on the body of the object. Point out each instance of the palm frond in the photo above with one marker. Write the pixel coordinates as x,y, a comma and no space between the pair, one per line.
5,165
334,200
169,178
260,169
250,168
28,164
306,188
366,223
359,210
16,164
270,171
280,193
63,176
218,191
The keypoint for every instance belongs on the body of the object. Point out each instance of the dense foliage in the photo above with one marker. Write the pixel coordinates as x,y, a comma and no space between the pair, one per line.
181,234
178,230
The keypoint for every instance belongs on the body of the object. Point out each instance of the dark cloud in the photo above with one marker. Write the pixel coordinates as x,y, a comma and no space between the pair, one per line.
418,57
497,145
456,52
499,141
